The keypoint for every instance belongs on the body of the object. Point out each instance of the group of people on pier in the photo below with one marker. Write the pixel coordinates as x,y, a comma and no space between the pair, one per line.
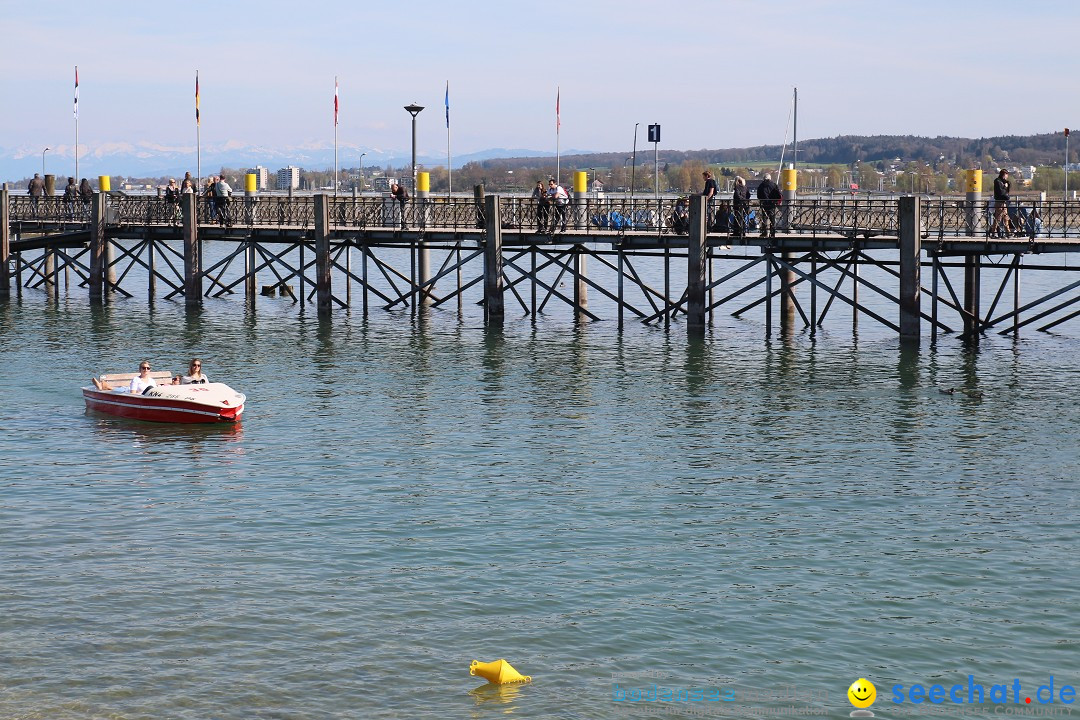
553,197
737,217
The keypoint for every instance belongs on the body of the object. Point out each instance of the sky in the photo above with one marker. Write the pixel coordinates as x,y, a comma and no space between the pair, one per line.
712,74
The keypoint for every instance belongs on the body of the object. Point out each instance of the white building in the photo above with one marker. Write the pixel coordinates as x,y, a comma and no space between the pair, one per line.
262,177
288,178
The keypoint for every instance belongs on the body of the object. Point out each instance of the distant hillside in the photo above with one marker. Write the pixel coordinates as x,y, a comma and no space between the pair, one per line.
1045,149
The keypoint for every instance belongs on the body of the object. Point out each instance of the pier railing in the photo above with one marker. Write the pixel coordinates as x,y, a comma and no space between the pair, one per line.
847,217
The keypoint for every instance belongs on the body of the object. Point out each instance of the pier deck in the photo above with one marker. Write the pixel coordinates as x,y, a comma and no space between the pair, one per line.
308,241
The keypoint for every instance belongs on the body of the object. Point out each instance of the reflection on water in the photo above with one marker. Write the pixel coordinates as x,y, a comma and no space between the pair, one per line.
406,492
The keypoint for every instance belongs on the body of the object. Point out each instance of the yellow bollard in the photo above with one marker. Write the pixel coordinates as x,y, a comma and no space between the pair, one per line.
423,182
581,181
251,183
974,181
498,672
789,180
104,183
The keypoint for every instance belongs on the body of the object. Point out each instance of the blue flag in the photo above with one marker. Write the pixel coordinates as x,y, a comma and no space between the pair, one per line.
447,104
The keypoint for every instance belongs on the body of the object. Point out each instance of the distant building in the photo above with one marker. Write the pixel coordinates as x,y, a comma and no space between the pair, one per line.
288,178
262,177
382,183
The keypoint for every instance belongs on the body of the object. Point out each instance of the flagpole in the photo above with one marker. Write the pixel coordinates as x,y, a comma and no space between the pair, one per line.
198,137
449,159
558,129
76,123
335,136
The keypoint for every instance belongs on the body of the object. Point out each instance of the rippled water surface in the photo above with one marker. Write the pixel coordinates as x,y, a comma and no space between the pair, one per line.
405,496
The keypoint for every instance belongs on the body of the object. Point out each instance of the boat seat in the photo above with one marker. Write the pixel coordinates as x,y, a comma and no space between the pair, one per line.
158,375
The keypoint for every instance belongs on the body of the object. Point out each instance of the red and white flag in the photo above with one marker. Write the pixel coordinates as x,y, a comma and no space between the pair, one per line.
335,102
558,119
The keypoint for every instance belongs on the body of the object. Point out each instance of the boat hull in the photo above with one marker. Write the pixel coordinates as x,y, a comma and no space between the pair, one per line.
212,403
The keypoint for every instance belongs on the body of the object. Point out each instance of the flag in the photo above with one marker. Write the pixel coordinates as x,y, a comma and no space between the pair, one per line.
197,121
76,92
447,104
335,102
558,119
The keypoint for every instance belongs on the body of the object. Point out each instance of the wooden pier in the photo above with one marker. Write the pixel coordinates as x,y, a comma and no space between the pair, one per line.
504,250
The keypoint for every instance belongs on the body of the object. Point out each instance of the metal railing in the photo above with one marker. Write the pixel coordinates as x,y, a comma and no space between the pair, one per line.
846,217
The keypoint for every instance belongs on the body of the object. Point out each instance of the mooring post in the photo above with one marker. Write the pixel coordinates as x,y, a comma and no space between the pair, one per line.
98,255
972,265
423,189
5,244
323,297
972,201
581,198
696,266
910,255
493,261
192,252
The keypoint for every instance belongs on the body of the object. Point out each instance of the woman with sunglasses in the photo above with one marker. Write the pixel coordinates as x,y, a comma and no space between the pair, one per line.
195,375
138,385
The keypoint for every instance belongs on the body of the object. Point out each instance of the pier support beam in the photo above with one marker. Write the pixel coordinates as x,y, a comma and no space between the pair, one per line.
493,262
581,286
192,252
98,255
323,297
910,227
5,244
787,293
696,254
972,266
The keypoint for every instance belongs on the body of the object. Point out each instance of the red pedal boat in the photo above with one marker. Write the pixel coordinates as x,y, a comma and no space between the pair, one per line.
196,403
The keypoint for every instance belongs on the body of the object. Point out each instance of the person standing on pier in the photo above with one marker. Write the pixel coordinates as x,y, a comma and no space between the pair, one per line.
86,194
709,193
740,201
172,200
399,193
222,192
768,194
36,191
1001,203
543,206
560,199
71,195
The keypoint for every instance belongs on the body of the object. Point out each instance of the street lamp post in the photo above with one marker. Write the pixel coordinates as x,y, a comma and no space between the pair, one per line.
414,110
362,172
423,264
43,163
633,168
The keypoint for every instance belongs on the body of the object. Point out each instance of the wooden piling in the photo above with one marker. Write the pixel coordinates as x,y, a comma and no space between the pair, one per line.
493,261
5,245
193,291
910,234
323,263
98,255
696,267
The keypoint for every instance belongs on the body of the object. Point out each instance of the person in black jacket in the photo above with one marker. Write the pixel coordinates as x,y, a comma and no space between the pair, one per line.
768,194
740,202
1001,203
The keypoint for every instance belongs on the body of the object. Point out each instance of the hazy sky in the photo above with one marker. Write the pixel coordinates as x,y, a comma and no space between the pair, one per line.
714,74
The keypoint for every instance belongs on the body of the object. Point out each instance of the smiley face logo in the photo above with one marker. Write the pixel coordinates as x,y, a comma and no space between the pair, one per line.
862,693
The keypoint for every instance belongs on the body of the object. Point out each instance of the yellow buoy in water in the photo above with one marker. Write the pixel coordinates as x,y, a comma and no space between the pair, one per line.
498,672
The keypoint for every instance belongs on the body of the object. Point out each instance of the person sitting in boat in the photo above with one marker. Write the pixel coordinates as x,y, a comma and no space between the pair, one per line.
195,375
138,385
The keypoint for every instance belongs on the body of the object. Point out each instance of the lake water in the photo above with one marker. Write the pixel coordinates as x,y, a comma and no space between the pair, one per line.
606,510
